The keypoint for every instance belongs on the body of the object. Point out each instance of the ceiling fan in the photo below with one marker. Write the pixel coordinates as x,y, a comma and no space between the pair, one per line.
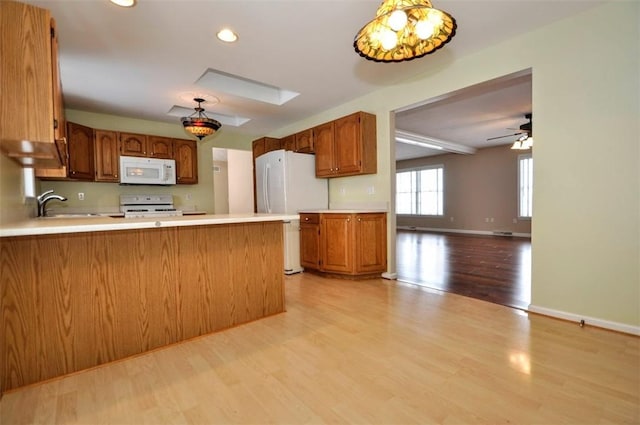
526,129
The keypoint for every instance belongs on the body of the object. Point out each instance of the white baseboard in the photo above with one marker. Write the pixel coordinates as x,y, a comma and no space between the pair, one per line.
389,276
593,321
468,232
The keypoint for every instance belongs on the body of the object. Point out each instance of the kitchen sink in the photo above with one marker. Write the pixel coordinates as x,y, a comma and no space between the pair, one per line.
72,215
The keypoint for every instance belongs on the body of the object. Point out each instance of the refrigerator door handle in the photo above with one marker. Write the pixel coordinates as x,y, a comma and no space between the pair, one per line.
265,190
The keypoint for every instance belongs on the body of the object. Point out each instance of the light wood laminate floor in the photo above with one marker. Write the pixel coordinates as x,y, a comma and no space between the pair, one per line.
372,351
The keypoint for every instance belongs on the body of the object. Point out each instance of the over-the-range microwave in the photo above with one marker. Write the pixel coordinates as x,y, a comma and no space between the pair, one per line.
136,170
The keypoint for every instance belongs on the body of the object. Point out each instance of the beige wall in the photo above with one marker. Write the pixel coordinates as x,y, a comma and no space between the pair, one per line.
476,188
221,187
13,205
106,195
240,181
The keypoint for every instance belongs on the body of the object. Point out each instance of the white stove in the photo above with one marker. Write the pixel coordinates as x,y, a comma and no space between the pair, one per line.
140,206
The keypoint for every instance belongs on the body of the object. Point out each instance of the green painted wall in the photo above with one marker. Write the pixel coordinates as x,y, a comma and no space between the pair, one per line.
106,195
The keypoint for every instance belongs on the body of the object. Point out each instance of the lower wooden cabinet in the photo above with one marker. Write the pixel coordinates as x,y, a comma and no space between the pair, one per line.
310,241
353,244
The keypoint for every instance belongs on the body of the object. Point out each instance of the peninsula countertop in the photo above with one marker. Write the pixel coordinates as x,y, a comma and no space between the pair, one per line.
57,225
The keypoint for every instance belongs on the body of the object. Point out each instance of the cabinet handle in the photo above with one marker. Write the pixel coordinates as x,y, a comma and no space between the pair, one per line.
348,220
306,219
359,219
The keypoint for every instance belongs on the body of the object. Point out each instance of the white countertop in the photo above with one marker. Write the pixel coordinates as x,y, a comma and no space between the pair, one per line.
343,211
54,225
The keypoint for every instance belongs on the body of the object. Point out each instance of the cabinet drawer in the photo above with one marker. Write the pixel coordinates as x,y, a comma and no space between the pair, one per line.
309,218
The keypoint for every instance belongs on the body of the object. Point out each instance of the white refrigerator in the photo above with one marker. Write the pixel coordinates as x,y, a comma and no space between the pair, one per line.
286,183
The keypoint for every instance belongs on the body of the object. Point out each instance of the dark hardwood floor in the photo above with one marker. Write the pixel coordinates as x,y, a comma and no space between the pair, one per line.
491,268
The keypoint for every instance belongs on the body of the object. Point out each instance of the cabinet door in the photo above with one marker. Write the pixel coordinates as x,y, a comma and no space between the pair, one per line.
348,145
305,142
324,148
133,144
289,143
336,239
80,148
258,147
106,156
186,156
371,243
160,147
310,241
271,144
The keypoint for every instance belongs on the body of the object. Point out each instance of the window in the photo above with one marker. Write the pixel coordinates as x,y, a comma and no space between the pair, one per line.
525,185
420,192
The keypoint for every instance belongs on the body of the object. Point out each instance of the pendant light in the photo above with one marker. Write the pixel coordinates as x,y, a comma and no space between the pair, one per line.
200,126
404,30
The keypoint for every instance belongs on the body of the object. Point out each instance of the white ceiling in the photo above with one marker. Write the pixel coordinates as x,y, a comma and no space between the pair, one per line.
143,61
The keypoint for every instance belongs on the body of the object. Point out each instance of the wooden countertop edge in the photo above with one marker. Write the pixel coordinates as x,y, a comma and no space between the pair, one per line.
48,226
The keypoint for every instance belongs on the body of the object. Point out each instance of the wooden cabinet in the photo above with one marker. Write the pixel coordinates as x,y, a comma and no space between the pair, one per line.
352,244
31,107
264,145
310,241
288,143
346,146
80,150
186,156
160,147
304,141
107,156
370,242
324,145
132,144
336,243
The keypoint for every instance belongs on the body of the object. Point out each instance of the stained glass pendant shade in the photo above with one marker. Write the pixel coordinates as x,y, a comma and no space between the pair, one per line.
404,30
200,126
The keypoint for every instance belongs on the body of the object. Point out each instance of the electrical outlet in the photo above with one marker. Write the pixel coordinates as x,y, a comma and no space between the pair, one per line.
80,196
188,196
452,219
371,190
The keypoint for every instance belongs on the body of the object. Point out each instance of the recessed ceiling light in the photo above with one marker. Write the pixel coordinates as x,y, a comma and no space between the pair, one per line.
227,35
124,3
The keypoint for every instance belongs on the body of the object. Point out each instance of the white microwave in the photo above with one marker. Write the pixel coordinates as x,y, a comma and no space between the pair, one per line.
136,170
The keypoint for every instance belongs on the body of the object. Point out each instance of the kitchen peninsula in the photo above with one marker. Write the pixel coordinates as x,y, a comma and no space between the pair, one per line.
79,292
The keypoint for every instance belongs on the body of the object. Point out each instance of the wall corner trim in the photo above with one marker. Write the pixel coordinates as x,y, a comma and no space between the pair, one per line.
591,321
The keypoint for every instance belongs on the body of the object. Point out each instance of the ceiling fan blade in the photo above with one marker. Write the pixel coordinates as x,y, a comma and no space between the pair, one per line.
506,135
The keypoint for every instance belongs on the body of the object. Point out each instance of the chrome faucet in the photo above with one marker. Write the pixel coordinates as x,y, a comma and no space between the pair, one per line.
44,199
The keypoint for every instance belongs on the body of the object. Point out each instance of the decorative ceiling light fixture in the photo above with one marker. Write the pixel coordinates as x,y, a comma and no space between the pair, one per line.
523,143
404,30
124,3
200,126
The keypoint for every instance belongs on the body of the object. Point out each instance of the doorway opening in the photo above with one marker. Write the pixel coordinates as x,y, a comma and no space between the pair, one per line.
462,229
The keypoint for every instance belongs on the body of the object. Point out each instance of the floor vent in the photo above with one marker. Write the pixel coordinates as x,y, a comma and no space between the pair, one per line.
502,233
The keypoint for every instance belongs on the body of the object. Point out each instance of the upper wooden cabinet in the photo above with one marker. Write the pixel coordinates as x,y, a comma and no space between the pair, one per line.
81,154
264,145
346,146
186,156
107,156
304,141
132,144
160,147
31,106
352,244
288,143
